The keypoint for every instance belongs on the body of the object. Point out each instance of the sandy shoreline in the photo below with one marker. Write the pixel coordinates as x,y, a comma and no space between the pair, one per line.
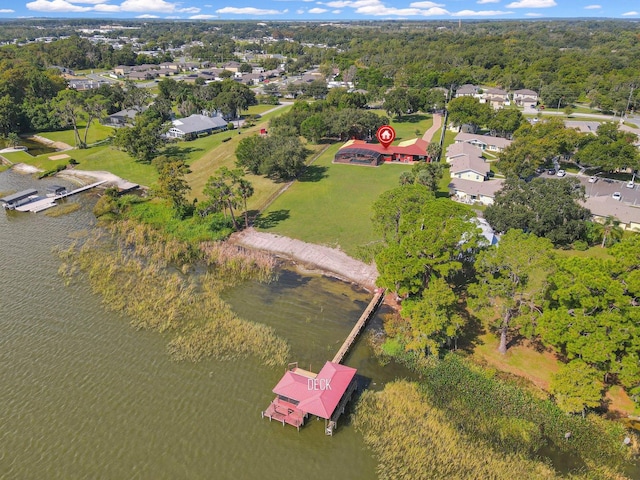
315,258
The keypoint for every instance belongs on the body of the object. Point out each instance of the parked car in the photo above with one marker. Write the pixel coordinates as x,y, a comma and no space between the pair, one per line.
551,171
630,184
561,173
617,196
593,179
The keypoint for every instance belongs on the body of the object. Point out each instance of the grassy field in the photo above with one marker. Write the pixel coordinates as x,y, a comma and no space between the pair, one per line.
331,204
97,133
204,155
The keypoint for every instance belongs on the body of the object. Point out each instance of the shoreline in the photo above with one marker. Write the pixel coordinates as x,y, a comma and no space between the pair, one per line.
309,257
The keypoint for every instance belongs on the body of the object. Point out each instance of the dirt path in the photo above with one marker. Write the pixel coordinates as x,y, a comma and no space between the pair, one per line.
314,257
437,123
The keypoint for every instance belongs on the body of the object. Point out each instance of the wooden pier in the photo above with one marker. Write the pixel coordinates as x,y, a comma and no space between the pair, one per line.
362,321
48,202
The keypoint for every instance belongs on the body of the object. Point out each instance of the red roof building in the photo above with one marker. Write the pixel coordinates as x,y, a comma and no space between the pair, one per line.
301,393
362,153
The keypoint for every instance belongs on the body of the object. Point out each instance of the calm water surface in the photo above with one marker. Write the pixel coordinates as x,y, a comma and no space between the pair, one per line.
83,395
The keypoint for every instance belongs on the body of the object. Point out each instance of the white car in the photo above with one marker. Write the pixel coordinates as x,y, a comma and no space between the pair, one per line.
630,184
617,196
561,173
593,179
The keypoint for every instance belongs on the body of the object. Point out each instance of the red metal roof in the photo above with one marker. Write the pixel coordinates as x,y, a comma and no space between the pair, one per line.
416,147
318,396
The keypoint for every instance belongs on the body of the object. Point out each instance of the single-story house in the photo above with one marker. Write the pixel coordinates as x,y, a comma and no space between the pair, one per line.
484,142
605,206
469,191
122,117
582,126
469,168
468,90
525,97
359,152
195,125
460,149
85,84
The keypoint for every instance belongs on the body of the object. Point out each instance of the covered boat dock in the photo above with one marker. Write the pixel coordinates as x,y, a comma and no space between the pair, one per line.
301,393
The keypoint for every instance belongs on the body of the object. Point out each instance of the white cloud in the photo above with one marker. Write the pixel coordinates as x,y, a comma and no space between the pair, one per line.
202,17
377,9
481,13
425,4
531,14
147,6
249,11
6,10
146,15
318,10
482,2
56,6
630,14
592,7
337,12
300,11
93,2
532,4
107,8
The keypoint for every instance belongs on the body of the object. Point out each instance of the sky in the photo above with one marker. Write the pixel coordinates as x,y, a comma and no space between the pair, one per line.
321,9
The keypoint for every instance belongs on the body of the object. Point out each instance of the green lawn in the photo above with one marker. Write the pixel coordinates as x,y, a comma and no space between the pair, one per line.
97,132
332,204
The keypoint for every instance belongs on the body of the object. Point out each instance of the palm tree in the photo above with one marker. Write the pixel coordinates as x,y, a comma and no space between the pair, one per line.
611,232
245,189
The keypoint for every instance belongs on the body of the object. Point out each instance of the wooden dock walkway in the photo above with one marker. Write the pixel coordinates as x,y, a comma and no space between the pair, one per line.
48,202
362,321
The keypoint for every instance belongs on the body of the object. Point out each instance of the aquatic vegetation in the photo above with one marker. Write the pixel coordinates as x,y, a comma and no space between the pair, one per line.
414,440
150,277
63,209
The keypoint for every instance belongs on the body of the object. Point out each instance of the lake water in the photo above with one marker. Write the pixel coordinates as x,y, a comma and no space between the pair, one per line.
83,395
33,148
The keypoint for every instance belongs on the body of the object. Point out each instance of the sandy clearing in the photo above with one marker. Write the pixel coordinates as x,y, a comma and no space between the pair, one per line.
97,175
330,260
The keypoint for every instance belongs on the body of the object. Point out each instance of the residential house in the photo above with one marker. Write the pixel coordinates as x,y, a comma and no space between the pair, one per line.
605,206
456,150
484,142
84,84
194,125
496,97
468,90
232,66
470,191
525,97
469,168
121,118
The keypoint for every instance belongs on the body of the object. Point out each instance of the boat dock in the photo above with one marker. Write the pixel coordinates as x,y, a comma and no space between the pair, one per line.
301,393
41,204
357,328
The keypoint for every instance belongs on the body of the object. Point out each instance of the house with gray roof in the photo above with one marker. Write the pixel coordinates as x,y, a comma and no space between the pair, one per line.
484,142
194,125
470,168
524,97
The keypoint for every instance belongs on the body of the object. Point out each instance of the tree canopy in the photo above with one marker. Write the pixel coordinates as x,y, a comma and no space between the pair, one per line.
545,207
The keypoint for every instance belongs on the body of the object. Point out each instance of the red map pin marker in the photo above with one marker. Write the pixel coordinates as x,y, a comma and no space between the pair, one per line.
386,135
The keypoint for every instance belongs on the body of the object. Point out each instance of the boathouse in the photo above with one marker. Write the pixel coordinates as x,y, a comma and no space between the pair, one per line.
20,198
301,393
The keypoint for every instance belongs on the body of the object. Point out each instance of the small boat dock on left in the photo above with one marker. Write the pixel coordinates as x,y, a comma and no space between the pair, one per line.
29,201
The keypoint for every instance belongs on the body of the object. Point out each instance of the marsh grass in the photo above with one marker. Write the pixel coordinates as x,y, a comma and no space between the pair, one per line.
414,440
63,209
149,276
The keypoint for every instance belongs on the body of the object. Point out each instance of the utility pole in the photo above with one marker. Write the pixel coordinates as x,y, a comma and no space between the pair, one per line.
628,102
